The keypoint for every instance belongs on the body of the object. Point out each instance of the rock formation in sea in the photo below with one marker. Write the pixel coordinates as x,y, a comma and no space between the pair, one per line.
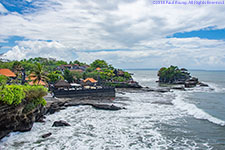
174,75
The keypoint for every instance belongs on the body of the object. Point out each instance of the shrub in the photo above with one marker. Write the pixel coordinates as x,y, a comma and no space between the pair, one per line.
3,80
35,92
14,94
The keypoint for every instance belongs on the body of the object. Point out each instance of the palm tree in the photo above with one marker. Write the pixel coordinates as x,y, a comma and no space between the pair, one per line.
39,74
17,67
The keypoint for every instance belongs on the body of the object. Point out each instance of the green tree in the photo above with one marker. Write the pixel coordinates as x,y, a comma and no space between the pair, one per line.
3,80
99,63
55,76
39,74
68,76
77,74
127,75
171,74
17,66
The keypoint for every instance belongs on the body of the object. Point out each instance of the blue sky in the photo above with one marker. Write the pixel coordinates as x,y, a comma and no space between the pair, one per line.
207,33
128,34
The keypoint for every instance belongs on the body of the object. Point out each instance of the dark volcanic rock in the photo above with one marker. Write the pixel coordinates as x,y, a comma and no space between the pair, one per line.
127,85
55,107
160,90
46,135
18,118
107,107
178,88
163,103
191,82
60,123
41,119
203,84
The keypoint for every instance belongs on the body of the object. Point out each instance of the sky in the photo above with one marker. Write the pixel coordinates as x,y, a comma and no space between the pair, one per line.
125,33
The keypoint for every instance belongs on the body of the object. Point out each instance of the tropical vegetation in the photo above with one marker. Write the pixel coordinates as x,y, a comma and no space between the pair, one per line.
173,74
15,94
45,69
39,74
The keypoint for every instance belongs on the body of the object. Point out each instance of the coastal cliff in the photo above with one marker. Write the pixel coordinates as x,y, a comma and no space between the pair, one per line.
18,118
20,107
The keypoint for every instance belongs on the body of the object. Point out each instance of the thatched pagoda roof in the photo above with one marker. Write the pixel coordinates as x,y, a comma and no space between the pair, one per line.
62,83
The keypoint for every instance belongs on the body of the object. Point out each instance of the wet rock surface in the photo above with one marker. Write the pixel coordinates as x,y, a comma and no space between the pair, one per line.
15,118
107,107
46,135
203,84
60,123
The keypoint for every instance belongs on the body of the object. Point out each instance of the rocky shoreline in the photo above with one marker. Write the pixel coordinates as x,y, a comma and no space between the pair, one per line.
13,118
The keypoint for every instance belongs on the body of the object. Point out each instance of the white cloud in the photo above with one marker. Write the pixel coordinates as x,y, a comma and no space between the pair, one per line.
136,25
3,9
28,49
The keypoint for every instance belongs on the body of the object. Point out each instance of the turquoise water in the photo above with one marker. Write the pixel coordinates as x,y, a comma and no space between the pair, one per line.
192,119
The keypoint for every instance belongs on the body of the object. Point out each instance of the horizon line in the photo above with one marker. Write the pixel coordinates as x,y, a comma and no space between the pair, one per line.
187,69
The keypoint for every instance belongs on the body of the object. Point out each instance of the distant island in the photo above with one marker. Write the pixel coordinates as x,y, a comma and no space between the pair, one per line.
174,75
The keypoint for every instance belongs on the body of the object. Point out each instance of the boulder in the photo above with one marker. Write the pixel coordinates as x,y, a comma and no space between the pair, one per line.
55,107
178,88
41,119
163,102
160,90
60,123
106,107
203,84
46,135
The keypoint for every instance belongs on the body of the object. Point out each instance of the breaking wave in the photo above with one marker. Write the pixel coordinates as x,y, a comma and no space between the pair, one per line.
193,110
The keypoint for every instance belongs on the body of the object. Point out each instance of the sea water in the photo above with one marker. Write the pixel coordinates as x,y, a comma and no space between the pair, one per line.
191,119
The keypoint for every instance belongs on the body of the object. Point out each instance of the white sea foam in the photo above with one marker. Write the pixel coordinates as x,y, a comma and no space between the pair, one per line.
135,128
193,110
146,79
216,87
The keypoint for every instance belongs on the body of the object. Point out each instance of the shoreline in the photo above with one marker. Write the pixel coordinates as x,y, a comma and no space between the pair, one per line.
103,103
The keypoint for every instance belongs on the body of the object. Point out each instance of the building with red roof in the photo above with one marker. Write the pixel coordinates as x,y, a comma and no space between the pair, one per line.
7,73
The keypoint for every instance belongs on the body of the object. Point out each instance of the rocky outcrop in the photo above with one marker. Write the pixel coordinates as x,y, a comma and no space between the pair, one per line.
203,84
57,105
22,117
18,118
133,84
192,82
174,76
60,123
160,90
107,107
178,88
46,135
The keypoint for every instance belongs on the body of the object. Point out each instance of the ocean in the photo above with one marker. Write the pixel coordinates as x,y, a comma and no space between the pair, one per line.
191,119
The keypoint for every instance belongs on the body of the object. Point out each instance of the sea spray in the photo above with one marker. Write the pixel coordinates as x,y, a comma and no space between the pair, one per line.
193,110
